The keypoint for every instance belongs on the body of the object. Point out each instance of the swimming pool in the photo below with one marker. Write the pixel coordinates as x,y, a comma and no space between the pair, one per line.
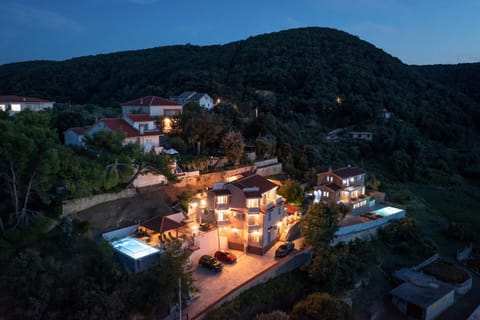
387,211
134,248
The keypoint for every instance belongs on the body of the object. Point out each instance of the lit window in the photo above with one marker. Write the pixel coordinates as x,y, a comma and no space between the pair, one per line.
252,203
222,199
16,107
252,220
2,107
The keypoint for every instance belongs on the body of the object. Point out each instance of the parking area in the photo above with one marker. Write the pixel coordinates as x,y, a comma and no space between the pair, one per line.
213,286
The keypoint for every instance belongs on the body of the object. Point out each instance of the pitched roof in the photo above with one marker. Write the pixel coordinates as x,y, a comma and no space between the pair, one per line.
80,130
197,96
348,172
221,192
252,181
21,99
149,101
118,124
332,186
161,224
140,117
186,94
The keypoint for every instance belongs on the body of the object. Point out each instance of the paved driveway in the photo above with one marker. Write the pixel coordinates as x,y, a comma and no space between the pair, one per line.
213,286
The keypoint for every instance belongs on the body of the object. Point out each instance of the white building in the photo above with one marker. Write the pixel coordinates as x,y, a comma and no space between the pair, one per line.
153,106
138,128
14,104
203,99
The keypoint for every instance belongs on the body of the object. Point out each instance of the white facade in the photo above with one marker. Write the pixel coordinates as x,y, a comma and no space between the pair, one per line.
15,104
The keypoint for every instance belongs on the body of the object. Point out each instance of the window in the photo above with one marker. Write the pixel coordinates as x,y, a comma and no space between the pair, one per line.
2,107
16,107
326,194
252,220
252,203
222,199
254,236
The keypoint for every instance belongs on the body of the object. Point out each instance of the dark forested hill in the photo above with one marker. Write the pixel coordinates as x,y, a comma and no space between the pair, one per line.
463,76
294,78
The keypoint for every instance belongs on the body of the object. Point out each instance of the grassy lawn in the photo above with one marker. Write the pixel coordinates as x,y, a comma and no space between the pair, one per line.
455,205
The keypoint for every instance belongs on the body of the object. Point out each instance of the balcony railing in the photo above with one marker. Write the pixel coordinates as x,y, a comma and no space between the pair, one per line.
253,227
222,206
253,210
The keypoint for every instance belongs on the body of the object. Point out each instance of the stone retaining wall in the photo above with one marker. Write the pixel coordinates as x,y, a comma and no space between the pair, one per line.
76,205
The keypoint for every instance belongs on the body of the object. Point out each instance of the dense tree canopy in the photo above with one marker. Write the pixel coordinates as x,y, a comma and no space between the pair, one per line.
293,85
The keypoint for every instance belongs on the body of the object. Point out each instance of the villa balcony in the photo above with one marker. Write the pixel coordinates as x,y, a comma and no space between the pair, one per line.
253,210
223,223
254,227
268,207
222,206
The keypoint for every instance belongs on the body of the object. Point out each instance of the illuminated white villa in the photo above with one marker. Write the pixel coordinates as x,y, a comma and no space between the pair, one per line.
248,212
346,185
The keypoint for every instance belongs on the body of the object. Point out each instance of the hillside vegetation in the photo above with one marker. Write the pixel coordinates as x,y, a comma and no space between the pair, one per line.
294,78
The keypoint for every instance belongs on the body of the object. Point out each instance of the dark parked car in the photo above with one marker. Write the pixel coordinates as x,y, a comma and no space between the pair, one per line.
284,249
225,256
210,262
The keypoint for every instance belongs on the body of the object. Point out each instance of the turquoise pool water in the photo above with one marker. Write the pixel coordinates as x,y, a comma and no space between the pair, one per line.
134,248
387,211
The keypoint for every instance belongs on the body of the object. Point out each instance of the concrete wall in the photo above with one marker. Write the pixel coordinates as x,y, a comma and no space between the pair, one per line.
439,306
76,205
270,170
149,179
119,233
364,230
427,262
265,163
208,244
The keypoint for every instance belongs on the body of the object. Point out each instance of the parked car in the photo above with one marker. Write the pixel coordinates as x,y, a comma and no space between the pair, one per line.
225,256
210,262
284,249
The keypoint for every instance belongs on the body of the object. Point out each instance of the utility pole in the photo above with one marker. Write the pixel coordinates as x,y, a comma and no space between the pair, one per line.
180,298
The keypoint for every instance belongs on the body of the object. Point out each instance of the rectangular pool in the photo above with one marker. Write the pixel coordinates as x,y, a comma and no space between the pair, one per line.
133,248
387,211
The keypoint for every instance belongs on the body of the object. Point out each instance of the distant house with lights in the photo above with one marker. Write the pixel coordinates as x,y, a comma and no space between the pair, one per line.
159,108
203,99
345,185
248,212
138,128
360,135
15,104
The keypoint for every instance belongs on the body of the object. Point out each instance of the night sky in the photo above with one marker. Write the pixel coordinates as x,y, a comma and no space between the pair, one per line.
417,32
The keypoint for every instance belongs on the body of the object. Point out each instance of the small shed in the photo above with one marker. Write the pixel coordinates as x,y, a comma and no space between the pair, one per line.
422,302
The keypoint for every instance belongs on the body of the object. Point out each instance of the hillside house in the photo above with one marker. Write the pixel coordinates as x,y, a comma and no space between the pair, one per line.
248,212
139,128
15,104
159,108
345,185
360,135
203,99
